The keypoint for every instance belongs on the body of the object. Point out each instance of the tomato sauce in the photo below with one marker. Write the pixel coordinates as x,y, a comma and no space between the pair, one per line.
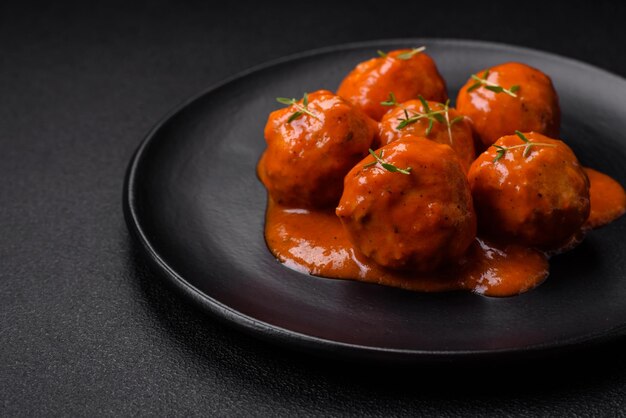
608,200
314,242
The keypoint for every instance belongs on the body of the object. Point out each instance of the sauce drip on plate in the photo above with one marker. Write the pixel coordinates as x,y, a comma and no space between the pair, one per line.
608,200
315,242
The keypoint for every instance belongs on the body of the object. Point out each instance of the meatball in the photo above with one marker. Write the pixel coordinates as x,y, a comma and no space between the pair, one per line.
403,72
527,102
535,195
309,153
446,127
417,219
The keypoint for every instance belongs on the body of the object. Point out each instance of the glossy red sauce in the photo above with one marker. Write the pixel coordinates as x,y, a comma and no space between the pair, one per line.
314,242
608,200
536,107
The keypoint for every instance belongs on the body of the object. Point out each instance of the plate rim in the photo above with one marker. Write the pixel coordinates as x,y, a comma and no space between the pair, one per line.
310,343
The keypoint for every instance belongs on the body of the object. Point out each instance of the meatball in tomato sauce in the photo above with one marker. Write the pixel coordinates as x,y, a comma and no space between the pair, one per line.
431,120
510,97
410,207
311,145
408,73
530,189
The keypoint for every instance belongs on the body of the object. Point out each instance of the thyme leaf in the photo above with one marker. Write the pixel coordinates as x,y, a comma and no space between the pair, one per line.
378,159
483,82
410,54
440,116
449,122
428,113
391,101
301,108
527,145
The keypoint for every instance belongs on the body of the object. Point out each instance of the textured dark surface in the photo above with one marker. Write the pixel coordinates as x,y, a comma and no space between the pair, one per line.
86,328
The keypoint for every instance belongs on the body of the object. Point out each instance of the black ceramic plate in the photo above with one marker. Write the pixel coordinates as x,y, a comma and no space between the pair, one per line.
194,203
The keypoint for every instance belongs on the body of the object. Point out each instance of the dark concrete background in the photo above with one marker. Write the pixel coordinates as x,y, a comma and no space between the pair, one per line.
84,326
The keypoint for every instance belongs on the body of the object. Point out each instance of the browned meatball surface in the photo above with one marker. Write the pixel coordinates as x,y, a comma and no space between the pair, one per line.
414,221
309,153
406,73
528,102
536,196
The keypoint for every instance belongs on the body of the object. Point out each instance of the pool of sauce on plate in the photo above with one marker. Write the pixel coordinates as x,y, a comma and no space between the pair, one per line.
608,200
314,242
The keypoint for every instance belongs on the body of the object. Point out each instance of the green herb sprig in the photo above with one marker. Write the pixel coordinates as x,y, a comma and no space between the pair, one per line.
302,108
378,159
449,123
410,54
527,145
431,115
491,86
391,101
405,55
